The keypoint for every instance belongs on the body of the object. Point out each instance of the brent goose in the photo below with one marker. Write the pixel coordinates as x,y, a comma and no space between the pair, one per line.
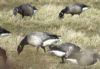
38,39
3,31
85,57
64,50
25,10
76,8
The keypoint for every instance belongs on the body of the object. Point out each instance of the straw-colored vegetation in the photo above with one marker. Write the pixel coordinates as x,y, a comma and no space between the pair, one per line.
83,30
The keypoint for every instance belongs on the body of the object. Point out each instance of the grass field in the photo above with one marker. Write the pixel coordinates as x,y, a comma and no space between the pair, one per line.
83,30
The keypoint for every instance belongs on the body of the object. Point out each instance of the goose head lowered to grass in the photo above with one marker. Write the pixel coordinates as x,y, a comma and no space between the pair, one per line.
25,10
76,8
38,39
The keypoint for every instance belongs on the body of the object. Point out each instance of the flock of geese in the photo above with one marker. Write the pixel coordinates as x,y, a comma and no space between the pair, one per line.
66,51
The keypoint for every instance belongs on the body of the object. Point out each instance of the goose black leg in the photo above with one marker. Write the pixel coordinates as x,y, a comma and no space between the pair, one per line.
43,48
63,59
22,16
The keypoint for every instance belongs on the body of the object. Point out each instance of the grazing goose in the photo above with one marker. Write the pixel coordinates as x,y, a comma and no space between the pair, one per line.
85,57
76,8
38,39
64,50
3,31
25,10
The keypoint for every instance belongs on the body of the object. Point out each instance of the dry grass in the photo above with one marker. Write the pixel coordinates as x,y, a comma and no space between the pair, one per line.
82,30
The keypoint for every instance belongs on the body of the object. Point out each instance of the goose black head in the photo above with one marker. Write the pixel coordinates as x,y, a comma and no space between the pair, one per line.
20,49
21,45
63,11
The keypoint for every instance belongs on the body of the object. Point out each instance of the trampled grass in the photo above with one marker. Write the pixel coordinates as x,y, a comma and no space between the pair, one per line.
81,30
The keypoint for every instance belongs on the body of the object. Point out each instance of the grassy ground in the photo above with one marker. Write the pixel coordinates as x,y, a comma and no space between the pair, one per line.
83,30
